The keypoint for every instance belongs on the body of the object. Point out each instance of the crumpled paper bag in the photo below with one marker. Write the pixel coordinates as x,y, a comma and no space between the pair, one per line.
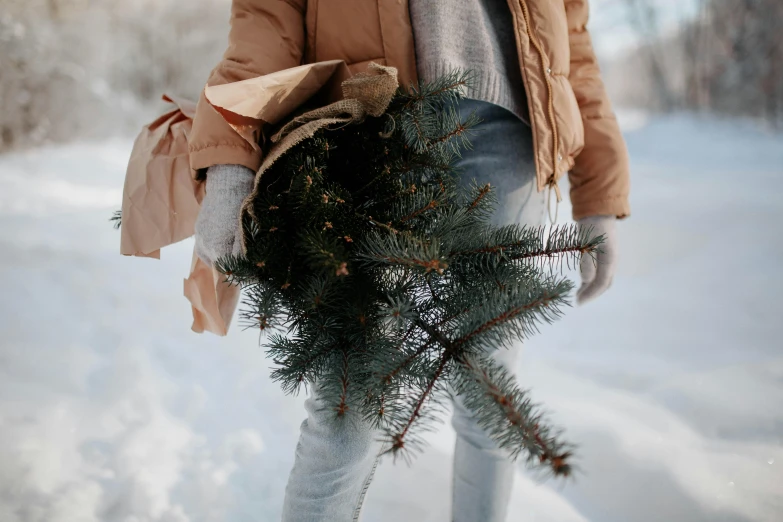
248,104
365,94
161,198
160,203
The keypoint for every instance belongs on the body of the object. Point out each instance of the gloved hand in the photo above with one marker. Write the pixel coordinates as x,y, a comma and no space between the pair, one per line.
218,233
597,273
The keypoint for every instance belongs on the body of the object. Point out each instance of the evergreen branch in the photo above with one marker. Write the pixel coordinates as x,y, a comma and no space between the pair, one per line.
451,85
420,135
511,420
545,252
429,206
377,223
384,174
387,379
398,440
437,335
263,308
116,218
483,191
434,295
297,360
423,94
421,162
453,133
563,242
401,250
428,264
342,409
238,270
451,317
505,317
515,243
432,282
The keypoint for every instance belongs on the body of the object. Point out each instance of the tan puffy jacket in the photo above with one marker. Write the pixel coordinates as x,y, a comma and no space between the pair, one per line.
574,129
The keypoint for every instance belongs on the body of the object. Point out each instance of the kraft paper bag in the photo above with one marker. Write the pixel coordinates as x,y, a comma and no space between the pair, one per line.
160,204
160,200
161,197
248,104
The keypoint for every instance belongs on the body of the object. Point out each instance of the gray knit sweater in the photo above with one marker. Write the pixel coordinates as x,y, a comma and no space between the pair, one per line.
470,34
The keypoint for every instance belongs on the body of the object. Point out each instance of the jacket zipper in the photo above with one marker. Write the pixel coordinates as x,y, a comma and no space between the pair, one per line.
550,102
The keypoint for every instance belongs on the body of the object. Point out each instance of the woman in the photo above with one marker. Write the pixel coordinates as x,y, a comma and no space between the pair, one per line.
545,112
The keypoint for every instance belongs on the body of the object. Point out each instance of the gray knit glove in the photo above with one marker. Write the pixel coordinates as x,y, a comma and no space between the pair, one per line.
217,226
597,273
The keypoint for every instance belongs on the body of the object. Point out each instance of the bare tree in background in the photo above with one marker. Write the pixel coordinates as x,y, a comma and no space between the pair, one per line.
92,68
728,59
744,52
643,18
695,68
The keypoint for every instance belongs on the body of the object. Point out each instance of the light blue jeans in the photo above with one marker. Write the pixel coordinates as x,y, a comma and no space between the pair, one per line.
335,465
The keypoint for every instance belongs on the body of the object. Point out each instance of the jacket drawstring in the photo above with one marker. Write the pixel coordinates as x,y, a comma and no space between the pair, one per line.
553,186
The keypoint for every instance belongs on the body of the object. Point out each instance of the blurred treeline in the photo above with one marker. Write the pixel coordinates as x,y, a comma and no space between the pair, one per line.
727,59
92,68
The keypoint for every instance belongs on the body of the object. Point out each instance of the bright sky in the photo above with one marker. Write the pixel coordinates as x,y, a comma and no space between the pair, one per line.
610,21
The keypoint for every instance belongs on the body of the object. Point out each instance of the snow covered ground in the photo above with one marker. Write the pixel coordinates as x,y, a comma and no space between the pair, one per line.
671,384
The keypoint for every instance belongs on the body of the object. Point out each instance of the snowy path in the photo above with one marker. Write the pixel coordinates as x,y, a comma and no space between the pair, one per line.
672,384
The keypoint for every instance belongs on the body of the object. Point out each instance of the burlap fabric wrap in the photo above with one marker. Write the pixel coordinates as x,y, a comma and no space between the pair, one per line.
161,198
365,94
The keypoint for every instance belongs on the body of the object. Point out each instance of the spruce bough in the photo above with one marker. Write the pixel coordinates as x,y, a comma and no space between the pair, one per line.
378,277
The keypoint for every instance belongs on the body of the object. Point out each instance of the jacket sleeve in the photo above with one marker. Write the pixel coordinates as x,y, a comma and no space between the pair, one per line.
266,36
600,181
